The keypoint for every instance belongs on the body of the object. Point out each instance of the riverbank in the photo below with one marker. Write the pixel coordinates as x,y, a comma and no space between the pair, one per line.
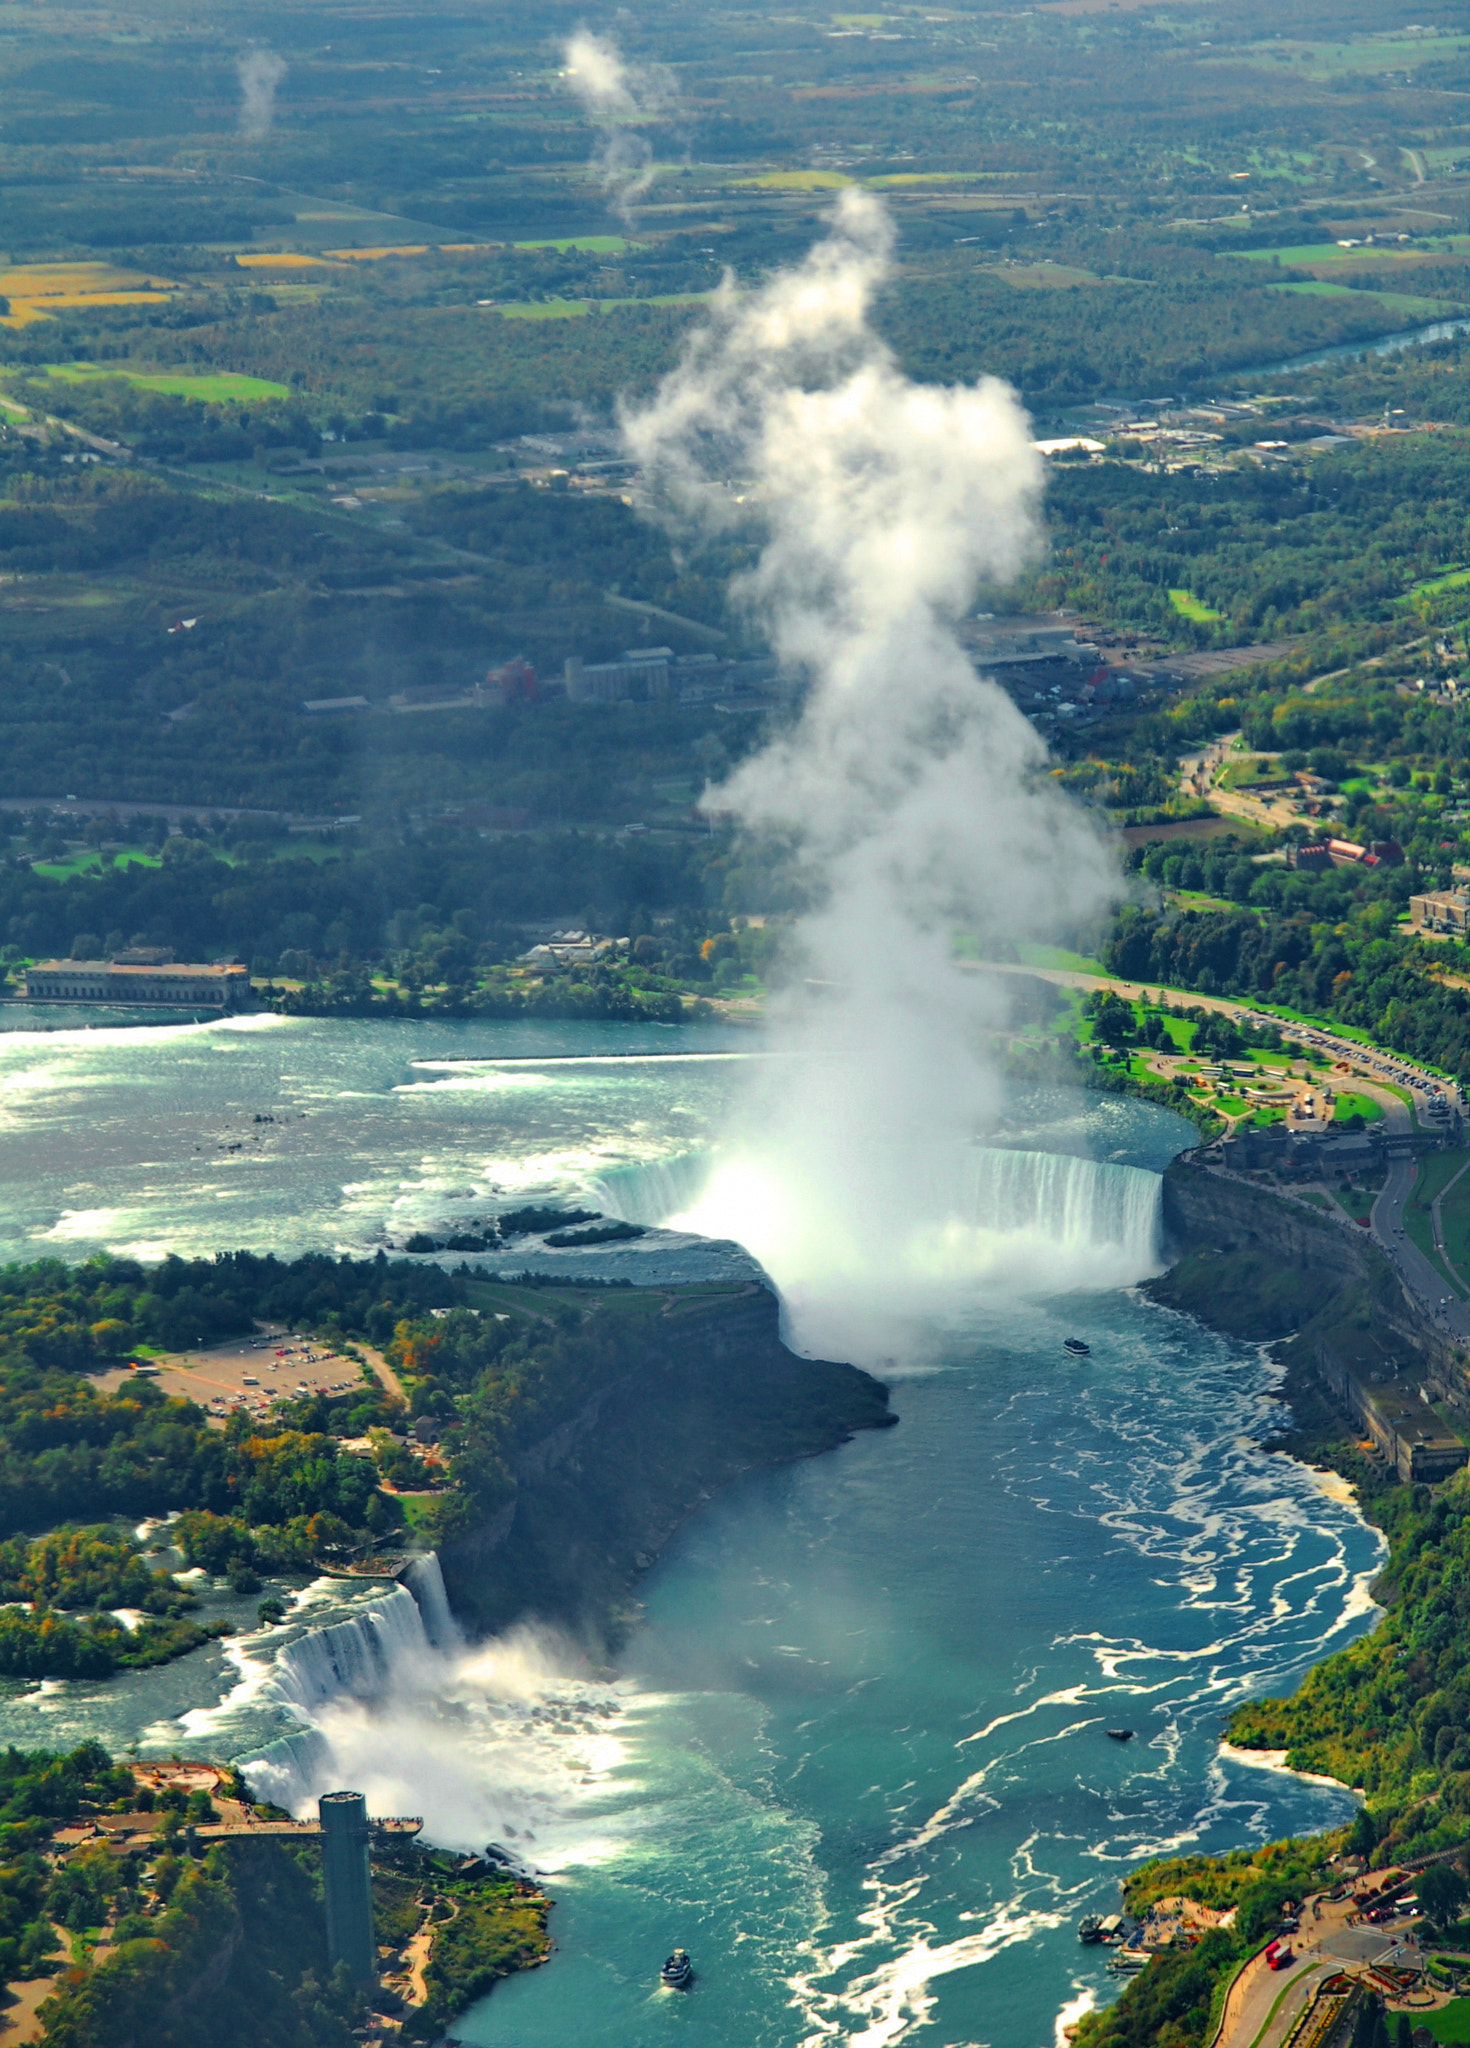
1379,1395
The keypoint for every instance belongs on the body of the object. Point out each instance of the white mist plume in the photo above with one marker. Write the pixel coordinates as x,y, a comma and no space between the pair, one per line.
618,97
259,73
913,792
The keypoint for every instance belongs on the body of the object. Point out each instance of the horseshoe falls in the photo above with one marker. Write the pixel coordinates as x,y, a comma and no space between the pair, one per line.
852,1756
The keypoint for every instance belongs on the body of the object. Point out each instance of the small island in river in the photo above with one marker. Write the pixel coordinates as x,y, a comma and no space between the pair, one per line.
548,1438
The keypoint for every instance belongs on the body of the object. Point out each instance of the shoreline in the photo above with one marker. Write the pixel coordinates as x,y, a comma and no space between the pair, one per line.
1274,1760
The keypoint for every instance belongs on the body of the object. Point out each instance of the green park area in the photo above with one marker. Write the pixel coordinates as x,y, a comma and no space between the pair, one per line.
1446,579
577,309
1358,1198
89,860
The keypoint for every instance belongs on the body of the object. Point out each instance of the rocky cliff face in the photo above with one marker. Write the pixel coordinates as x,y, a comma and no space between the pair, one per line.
1256,1265
714,1393
1207,1212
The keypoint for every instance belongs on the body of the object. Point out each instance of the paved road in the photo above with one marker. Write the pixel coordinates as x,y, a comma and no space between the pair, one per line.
1424,1281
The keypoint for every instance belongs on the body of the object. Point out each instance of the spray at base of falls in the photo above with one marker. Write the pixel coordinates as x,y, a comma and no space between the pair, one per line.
506,1743
934,1227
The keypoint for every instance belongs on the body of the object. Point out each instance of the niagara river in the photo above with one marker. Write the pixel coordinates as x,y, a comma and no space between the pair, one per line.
853,1754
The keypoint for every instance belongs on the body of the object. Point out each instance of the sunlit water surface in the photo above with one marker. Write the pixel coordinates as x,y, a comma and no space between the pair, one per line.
855,1757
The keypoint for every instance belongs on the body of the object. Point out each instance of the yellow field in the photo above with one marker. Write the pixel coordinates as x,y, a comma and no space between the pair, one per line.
377,255
797,181
36,290
286,259
45,280
410,249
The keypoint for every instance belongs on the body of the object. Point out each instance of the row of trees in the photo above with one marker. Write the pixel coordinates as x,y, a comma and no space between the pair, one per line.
1358,974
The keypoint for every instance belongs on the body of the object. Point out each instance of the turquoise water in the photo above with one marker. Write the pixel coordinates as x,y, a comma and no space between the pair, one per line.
854,1758
865,1778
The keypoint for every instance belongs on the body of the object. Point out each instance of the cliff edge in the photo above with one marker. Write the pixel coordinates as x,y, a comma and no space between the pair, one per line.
712,1393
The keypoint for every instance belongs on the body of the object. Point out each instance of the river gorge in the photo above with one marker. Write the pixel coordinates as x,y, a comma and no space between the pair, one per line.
852,1755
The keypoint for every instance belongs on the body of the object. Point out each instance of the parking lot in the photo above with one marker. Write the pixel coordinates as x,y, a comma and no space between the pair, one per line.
248,1373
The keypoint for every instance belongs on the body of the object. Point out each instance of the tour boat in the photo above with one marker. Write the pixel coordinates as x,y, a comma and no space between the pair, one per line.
1090,1929
1077,1348
1121,1734
678,1971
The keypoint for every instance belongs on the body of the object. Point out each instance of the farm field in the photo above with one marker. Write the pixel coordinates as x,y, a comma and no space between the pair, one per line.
39,291
219,387
1406,304
1305,256
1377,53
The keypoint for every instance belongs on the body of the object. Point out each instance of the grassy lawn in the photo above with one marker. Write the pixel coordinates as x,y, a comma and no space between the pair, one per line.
1196,899
222,388
88,861
578,309
1364,1106
795,181
1451,579
1451,2024
1358,1201
1189,606
1455,1208
1304,253
416,1506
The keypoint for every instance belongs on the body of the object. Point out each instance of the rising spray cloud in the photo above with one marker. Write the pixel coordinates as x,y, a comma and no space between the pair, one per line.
914,794
260,73
620,99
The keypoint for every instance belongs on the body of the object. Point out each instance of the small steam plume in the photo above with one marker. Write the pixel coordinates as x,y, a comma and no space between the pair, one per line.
912,790
259,72
618,97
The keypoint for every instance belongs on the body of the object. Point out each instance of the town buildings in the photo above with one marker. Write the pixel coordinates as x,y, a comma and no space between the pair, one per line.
1446,911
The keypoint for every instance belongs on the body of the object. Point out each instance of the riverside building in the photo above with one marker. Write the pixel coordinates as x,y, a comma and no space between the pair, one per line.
178,983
